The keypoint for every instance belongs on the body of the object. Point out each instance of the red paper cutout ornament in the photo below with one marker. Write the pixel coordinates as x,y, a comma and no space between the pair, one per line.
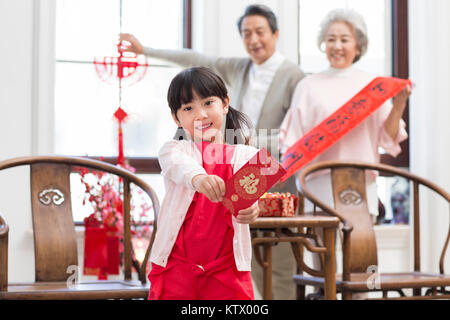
126,70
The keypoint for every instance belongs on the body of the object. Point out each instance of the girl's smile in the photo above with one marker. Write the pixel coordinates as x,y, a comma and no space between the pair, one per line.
204,127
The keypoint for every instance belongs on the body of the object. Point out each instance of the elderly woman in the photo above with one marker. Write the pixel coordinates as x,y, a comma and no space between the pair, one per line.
343,33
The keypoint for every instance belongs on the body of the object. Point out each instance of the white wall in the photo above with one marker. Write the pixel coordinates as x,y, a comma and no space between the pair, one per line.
16,25
26,84
429,32
15,83
26,116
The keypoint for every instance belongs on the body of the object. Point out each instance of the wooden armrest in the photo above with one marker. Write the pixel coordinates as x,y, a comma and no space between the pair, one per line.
4,229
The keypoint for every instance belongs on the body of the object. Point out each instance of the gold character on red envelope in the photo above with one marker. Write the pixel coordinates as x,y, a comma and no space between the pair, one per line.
249,183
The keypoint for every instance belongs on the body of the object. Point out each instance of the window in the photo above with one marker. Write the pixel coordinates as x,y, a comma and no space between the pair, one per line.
84,104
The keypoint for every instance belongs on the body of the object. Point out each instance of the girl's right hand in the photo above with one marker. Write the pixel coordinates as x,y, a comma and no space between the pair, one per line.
212,186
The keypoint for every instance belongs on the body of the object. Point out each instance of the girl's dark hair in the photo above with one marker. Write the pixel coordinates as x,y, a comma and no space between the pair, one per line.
205,83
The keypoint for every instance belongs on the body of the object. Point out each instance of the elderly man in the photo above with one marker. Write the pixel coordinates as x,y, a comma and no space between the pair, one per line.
261,86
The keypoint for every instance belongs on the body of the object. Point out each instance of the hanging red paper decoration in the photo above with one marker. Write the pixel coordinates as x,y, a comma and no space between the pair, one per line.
102,240
125,70
120,115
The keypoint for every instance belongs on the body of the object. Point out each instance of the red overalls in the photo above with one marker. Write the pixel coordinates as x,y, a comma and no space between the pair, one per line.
201,265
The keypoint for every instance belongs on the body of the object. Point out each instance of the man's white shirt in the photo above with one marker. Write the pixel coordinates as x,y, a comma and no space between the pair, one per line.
260,78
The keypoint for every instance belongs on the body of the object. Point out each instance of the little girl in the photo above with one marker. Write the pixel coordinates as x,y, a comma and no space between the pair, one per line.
201,251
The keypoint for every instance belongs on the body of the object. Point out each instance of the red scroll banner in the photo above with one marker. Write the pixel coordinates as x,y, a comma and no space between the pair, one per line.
337,125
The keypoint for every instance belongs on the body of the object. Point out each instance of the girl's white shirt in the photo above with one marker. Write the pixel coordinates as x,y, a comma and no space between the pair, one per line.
180,161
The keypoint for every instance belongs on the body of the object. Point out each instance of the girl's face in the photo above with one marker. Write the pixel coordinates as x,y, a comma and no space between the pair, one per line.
202,117
341,45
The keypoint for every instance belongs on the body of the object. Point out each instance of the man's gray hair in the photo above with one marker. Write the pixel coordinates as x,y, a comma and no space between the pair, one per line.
354,19
259,10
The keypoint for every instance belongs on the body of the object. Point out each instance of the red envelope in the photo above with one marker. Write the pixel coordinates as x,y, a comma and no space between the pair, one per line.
257,176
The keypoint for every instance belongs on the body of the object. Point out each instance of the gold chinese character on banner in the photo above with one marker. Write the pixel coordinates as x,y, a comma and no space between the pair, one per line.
249,183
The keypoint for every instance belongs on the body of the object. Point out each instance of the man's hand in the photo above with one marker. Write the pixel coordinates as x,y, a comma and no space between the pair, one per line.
248,215
134,45
212,186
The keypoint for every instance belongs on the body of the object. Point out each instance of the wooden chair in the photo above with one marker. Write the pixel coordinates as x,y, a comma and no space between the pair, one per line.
359,247
55,240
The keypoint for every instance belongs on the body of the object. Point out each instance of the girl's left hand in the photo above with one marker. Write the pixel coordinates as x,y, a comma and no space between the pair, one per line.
249,215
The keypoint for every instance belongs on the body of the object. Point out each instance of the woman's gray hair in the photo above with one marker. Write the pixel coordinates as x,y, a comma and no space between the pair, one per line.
354,19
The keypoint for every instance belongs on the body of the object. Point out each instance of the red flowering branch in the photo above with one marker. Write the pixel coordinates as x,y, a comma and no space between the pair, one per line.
104,195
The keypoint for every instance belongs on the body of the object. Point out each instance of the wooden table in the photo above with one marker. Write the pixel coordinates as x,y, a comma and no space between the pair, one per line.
275,229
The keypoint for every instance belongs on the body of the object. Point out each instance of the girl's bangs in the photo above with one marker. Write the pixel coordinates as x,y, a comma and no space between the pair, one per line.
203,84
199,80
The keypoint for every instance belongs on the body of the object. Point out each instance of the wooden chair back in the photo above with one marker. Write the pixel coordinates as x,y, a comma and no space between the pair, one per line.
358,254
53,225
350,200
55,242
